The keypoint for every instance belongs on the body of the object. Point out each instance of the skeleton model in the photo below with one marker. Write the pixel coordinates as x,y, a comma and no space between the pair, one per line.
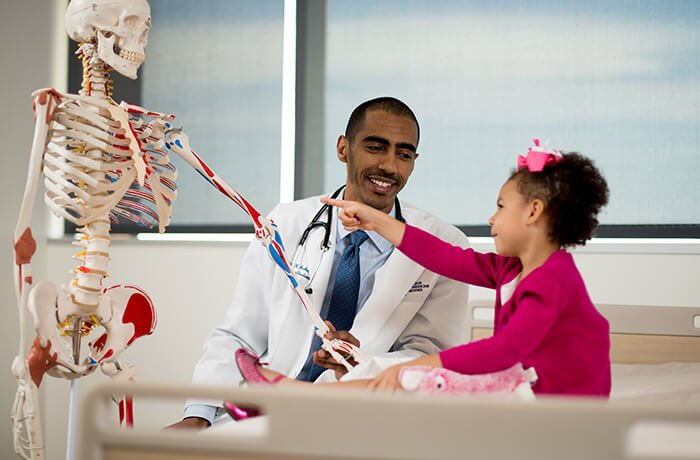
99,161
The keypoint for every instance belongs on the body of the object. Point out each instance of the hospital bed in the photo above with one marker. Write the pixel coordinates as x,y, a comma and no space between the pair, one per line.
654,412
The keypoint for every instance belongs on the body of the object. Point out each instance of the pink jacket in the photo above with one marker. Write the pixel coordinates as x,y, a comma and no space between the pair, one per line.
549,322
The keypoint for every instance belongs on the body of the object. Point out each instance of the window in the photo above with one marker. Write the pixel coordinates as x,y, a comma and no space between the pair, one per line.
619,82
217,66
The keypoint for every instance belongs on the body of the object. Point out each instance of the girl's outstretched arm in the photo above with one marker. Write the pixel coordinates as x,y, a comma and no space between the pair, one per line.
358,216
388,380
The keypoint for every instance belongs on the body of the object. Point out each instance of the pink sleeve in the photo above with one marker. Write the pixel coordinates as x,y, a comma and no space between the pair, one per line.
454,262
539,302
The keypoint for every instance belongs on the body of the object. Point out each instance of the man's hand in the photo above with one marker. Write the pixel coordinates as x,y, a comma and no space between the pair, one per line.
323,358
190,423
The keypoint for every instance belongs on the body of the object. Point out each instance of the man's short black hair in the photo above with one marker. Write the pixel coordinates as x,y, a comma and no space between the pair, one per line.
387,104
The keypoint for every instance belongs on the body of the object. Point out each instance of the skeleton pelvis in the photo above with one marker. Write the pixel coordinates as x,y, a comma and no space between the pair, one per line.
125,313
47,306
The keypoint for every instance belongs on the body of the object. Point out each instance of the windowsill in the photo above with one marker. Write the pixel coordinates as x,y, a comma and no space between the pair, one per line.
595,246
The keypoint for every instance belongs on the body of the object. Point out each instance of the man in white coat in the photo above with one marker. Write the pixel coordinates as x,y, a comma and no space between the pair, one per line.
403,310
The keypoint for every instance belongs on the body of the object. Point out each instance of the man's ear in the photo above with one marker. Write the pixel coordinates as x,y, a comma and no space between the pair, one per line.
536,209
342,147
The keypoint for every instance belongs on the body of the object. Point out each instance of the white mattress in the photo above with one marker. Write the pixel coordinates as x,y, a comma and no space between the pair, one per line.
667,383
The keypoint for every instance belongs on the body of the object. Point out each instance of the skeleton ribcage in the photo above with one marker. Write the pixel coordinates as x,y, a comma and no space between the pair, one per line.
150,204
90,167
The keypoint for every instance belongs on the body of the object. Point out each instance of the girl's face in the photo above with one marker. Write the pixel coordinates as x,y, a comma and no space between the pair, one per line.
509,223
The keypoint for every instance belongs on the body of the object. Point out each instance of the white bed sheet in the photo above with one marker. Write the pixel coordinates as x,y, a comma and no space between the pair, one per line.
666,383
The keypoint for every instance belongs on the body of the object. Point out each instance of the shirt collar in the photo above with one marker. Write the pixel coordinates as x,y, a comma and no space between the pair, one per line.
379,242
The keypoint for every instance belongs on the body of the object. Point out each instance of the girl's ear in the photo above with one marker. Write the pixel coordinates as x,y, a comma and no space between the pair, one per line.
536,208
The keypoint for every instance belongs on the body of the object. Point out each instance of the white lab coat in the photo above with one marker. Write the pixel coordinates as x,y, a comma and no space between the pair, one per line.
410,312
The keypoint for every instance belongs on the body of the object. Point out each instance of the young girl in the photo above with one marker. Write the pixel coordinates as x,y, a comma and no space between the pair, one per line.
544,317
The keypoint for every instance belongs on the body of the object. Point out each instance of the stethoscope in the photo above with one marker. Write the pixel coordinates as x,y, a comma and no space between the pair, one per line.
302,270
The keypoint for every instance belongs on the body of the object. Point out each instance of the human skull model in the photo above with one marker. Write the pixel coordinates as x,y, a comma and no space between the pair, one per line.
118,27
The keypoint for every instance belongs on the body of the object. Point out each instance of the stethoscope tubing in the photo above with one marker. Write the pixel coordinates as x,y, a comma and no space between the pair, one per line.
325,243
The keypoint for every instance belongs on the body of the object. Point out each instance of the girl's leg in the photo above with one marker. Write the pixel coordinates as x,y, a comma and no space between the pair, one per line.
281,379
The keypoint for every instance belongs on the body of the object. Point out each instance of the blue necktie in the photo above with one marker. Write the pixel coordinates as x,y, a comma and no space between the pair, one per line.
346,288
343,306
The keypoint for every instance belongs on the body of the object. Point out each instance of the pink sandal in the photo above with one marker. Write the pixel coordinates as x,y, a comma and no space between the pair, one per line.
247,363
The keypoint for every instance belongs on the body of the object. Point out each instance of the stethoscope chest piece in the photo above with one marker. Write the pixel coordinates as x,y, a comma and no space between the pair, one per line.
305,264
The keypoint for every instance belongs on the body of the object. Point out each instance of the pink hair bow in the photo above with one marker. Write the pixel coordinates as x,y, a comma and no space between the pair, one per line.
538,157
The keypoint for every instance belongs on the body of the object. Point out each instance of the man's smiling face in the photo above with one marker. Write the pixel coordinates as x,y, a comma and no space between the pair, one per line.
379,158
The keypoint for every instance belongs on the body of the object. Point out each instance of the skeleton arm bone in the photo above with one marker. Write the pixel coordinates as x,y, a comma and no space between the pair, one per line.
267,234
28,437
44,103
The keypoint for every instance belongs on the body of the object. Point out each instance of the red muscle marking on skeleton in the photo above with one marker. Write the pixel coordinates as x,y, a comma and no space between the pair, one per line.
222,190
128,403
49,97
254,214
25,247
209,172
126,411
138,142
139,312
134,318
109,353
99,344
40,359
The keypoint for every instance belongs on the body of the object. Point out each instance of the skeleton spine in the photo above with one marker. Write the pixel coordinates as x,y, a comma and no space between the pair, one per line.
96,81
86,287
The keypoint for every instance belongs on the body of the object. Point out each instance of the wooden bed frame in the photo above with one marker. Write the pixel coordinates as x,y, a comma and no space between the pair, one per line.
319,423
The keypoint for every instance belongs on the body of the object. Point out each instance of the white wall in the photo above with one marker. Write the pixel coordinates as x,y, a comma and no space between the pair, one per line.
26,43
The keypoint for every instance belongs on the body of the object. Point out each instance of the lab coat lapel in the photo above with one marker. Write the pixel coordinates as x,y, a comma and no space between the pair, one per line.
297,330
319,285
391,284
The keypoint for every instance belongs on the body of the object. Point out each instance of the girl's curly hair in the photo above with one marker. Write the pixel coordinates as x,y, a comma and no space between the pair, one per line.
573,191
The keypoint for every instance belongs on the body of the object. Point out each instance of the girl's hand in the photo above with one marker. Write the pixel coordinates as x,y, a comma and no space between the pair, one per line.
358,216
354,215
388,380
